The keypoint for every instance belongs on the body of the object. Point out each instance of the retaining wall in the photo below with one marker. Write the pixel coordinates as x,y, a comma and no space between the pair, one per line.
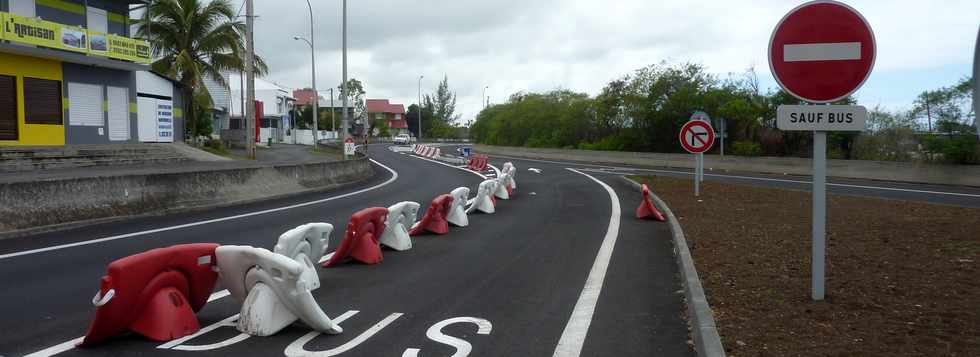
963,175
49,202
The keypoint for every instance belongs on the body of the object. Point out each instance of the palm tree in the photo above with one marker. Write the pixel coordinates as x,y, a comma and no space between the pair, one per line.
192,39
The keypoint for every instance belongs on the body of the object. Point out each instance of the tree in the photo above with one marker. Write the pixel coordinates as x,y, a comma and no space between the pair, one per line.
444,102
355,97
192,39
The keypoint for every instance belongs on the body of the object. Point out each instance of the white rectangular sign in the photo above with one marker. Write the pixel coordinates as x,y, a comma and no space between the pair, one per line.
348,149
821,117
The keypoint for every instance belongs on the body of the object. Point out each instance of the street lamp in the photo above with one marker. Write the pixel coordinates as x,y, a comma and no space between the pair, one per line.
316,95
484,99
420,107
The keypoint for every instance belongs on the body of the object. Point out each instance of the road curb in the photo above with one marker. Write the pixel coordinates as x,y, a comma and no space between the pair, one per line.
707,341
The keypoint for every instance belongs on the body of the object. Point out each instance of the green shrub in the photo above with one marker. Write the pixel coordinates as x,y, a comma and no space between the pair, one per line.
609,143
747,148
214,144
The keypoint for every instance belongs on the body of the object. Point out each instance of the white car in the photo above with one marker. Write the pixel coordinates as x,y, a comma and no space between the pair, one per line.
402,139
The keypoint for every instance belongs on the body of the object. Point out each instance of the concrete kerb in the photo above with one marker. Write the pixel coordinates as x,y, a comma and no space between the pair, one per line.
707,341
328,177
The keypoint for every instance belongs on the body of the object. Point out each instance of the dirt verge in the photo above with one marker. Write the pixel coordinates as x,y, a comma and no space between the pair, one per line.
901,276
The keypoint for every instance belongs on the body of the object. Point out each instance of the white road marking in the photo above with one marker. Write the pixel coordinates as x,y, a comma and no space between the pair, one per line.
496,171
56,349
394,176
537,171
573,337
880,188
463,348
296,349
839,51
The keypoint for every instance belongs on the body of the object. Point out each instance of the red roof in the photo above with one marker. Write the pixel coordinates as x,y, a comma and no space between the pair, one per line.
303,96
383,106
398,124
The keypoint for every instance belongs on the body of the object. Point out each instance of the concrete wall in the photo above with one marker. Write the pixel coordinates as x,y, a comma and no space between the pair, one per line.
964,175
47,202
103,77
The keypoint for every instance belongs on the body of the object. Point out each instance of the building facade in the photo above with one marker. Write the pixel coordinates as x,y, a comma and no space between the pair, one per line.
68,75
391,114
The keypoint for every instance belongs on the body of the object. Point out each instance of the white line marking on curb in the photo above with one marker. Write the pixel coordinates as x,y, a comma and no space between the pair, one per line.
296,348
394,176
573,337
880,188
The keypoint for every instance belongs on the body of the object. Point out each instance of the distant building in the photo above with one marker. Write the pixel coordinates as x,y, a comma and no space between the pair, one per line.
71,72
393,114
277,102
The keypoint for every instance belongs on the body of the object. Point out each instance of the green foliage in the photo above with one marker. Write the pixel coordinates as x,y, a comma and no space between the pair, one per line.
444,102
957,149
895,144
746,148
355,97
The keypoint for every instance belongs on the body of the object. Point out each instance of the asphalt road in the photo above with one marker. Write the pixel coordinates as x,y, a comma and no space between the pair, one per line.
562,265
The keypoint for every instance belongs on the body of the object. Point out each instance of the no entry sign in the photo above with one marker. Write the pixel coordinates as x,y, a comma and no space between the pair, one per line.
697,136
822,51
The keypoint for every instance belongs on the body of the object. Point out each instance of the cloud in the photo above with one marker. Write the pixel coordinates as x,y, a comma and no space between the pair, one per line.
512,45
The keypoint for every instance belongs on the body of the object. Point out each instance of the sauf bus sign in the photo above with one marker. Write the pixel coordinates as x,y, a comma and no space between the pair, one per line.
821,52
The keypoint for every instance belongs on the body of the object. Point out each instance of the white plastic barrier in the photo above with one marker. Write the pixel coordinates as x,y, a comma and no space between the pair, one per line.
484,198
511,171
306,244
401,217
274,290
457,211
501,189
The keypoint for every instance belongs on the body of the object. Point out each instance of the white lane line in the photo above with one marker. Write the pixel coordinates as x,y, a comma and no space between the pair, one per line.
56,349
573,337
837,51
496,171
873,188
448,165
394,176
880,188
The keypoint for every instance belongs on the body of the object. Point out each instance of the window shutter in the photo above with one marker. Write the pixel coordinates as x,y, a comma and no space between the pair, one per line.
42,101
8,108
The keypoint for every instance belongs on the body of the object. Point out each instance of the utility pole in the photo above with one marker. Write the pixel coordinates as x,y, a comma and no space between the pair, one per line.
316,95
343,87
486,101
250,74
420,107
333,124
928,112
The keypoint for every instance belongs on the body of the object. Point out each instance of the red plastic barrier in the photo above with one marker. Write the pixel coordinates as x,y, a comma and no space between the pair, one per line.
154,293
646,209
435,217
361,239
478,163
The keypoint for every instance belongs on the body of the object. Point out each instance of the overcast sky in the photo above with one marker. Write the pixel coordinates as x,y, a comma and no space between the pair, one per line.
539,45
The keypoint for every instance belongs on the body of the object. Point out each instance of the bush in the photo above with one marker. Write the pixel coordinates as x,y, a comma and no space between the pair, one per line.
957,149
609,143
214,144
747,148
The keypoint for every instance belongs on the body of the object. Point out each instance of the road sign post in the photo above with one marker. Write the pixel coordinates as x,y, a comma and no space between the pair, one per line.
348,147
821,52
697,136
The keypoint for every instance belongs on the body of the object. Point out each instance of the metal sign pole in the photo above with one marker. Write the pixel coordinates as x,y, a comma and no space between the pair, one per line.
701,167
697,183
819,212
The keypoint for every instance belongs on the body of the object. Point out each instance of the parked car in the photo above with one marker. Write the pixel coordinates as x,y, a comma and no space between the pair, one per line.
402,139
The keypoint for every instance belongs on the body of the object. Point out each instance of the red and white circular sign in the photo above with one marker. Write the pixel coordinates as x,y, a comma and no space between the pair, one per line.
349,140
697,136
822,51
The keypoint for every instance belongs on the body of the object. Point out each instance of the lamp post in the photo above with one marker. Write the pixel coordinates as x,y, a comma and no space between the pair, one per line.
249,109
484,98
420,107
343,86
316,95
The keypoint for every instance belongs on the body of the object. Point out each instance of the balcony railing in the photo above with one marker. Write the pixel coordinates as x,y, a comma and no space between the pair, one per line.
34,31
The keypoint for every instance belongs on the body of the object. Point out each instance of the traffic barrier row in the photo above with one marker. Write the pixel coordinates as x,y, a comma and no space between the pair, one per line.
478,163
427,151
157,293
